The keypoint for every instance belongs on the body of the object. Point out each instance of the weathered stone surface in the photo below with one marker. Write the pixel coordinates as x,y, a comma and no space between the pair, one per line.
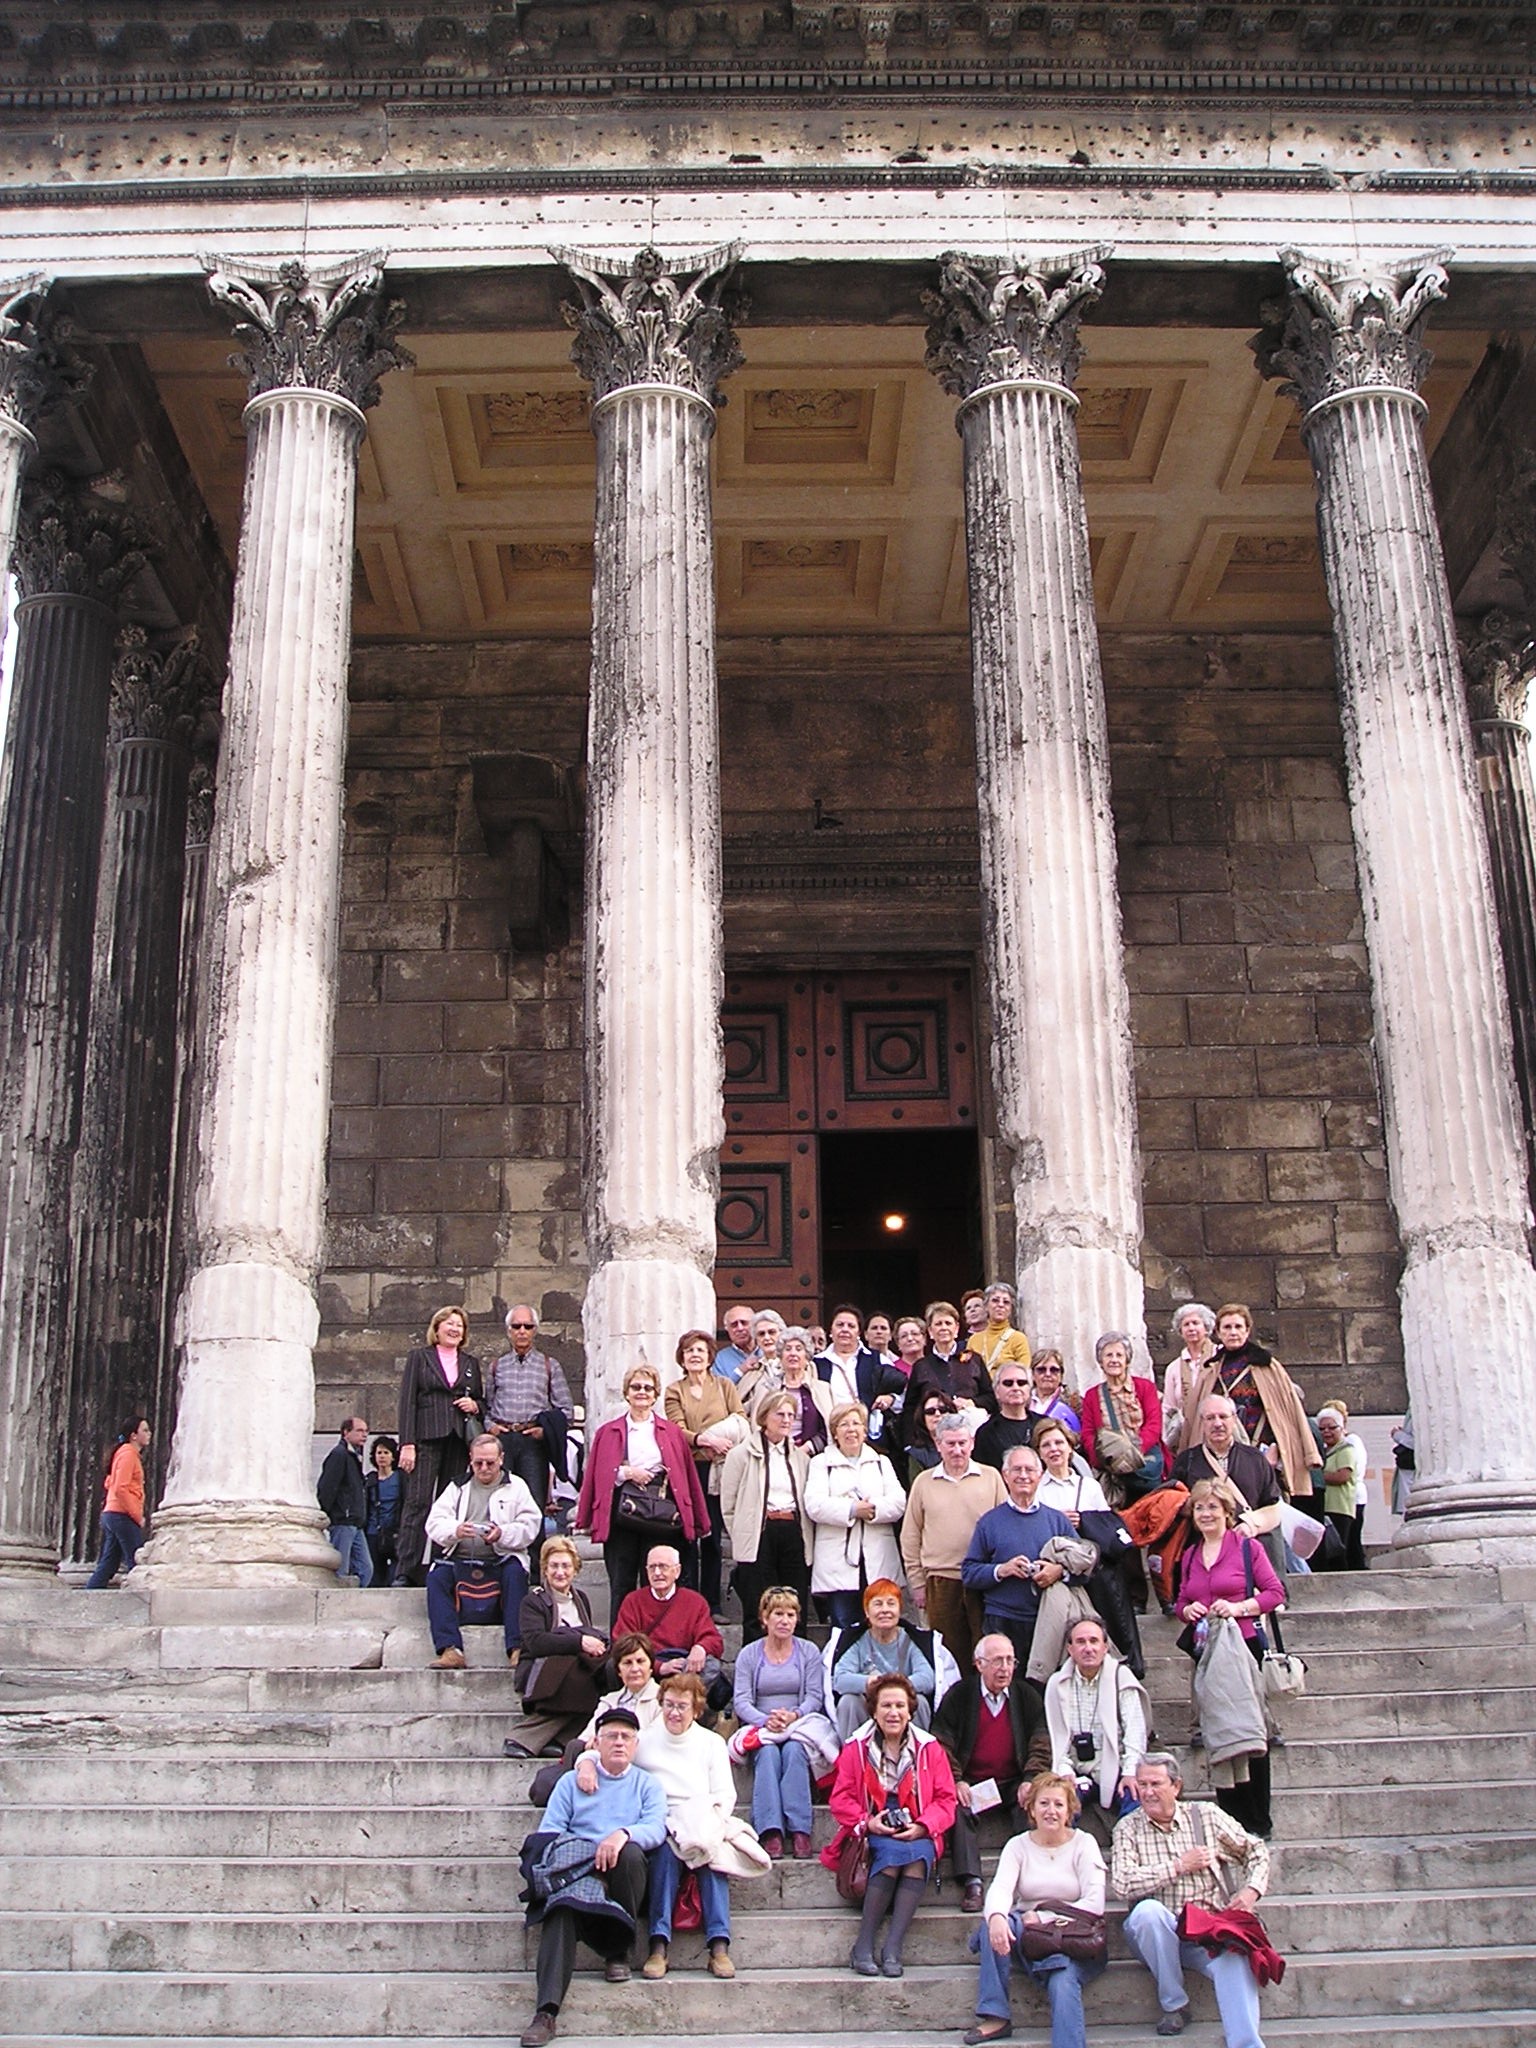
1349,345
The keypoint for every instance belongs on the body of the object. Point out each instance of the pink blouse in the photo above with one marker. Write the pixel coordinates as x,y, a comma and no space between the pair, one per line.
1226,1579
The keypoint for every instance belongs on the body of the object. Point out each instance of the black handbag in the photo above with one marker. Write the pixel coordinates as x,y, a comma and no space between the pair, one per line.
1078,1934
647,1507
1106,1529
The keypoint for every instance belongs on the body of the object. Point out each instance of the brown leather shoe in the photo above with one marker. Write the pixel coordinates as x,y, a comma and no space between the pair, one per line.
655,1964
616,1972
971,1902
449,1660
539,2030
801,1845
773,1842
720,1964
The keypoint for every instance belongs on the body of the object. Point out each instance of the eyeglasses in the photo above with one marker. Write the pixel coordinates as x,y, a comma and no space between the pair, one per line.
522,1326
1015,1384
935,1410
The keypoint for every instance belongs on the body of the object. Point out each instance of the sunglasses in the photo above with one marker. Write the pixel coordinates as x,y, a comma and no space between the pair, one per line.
522,1326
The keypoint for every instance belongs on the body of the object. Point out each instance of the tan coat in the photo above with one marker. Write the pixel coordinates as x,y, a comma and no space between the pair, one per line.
743,1485
1283,1410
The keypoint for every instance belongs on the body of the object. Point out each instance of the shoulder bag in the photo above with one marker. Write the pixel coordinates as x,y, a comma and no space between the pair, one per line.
853,1867
1282,1675
1078,1934
647,1507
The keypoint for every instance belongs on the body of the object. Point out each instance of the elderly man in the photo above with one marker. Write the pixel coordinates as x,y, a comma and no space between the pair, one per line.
1098,1716
678,1622
992,1726
943,1509
482,1530
1219,1455
1003,1562
528,1405
730,1358
1015,1420
1168,1855
623,1817
343,1497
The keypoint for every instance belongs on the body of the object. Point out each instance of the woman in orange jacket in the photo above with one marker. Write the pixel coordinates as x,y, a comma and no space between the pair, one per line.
122,1515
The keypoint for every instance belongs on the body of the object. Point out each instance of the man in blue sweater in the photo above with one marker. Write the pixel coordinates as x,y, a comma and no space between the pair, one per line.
623,1817
1003,1563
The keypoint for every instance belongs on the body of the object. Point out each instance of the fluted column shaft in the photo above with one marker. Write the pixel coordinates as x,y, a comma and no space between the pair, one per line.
1455,1157
50,838
17,447
653,948
1051,917
122,1175
1503,747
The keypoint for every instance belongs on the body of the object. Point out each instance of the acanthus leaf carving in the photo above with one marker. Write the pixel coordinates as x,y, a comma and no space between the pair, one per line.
160,692
1340,329
1000,321
39,368
649,321
326,329
73,540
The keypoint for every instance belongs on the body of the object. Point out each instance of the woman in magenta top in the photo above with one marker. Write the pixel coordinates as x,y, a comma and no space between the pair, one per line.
1213,1584
1123,1403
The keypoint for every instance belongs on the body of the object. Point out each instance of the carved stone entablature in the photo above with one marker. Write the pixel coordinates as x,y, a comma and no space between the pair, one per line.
996,321
1341,330
939,861
649,321
73,541
160,692
326,329
38,368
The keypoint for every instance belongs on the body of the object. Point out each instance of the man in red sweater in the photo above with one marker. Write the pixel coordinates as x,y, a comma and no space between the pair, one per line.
678,1622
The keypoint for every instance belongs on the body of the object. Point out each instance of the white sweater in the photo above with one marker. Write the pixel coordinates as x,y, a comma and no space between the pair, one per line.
690,1766
1029,1877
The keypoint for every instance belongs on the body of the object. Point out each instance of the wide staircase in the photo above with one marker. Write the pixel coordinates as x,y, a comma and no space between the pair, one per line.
264,1818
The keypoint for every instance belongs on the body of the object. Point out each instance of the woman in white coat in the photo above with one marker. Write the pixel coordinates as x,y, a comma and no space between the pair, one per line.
855,1499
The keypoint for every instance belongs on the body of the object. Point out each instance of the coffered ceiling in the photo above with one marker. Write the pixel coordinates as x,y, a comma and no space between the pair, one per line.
836,477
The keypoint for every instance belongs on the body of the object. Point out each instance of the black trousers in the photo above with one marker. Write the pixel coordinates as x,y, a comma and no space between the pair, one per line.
704,1577
780,1561
624,1554
561,1930
965,1842
440,1461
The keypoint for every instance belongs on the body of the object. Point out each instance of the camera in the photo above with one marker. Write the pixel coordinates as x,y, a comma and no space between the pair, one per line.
1084,1748
897,1817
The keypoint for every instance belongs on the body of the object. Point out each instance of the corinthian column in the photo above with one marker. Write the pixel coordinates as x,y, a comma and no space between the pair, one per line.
73,555
37,371
122,1175
1349,348
655,343
239,1506
1004,341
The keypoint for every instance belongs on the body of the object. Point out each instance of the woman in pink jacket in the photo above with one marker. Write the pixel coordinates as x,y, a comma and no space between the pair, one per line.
641,1448
894,1784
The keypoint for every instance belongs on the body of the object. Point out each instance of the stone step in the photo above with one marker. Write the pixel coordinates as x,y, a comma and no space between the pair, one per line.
1408,2030
1338,1808
493,2005
1410,1760
1306,1629
482,1930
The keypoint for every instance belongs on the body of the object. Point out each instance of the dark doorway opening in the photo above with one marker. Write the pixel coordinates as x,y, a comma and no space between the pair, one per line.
932,1180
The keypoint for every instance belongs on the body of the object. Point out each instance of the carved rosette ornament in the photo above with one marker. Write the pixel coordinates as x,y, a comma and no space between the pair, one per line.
651,322
1004,341
1348,348
1000,321
323,329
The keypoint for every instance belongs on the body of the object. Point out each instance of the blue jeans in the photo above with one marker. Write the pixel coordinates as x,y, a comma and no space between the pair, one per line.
1061,1978
121,1536
666,1881
442,1607
352,1549
1153,1932
845,1608
781,1788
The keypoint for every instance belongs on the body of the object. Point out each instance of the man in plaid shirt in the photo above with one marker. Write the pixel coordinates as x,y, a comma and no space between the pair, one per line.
1162,1859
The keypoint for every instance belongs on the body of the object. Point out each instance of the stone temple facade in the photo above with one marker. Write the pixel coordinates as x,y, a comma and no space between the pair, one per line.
647,632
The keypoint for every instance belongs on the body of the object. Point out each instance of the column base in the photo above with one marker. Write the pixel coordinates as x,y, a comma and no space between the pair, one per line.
260,1544
635,1311
1479,1523
22,1560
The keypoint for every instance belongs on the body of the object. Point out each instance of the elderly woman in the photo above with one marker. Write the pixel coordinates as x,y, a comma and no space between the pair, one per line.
639,1449
762,1497
855,1500
1074,1494
795,1374
785,1734
996,1342
562,1655
635,1661
690,1764
1049,1867
1194,1326
1130,1408
1224,1575
945,1369
1268,1401
884,1644
895,1784
1343,1482
441,1396
1047,1375
708,1410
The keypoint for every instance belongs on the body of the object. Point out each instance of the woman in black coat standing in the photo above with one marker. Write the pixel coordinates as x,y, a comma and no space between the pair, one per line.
442,1397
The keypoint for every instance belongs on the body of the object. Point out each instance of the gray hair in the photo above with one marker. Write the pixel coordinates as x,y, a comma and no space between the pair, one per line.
795,1333
1112,1337
770,1315
1193,1308
952,1424
999,1287
1159,1759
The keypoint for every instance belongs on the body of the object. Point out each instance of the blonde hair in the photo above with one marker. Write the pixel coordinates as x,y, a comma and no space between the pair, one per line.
441,1315
559,1546
841,1413
637,1372
1048,1780
1232,1504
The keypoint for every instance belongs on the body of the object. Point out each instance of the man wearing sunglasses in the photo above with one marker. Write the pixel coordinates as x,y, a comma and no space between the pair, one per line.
528,1406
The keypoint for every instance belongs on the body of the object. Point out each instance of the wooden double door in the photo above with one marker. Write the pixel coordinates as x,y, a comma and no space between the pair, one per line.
811,1058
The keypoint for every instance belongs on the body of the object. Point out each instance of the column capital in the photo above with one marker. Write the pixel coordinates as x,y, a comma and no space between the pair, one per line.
75,541
650,321
325,329
1002,320
159,692
1498,663
1341,330
39,369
